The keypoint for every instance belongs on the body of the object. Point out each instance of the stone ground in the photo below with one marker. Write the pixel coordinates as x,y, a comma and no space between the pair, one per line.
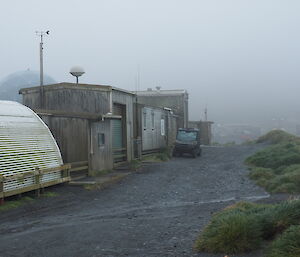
158,211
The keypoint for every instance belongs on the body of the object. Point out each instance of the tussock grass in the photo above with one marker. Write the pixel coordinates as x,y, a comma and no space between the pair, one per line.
287,244
276,137
277,167
275,156
246,226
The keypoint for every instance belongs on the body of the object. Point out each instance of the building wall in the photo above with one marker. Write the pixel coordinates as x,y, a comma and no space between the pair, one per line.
71,135
69,98
120,97
178,104
172,129
154,130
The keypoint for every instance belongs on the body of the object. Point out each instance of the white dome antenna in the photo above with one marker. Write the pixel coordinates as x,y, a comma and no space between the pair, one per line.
77,71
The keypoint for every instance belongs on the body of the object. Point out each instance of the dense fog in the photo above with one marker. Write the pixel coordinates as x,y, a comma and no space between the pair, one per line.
240,59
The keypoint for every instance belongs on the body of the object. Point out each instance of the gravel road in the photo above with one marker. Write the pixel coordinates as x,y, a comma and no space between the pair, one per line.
158,211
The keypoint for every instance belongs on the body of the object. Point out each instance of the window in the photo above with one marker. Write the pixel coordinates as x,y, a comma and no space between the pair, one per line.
145,119
152,120
101,139
187,136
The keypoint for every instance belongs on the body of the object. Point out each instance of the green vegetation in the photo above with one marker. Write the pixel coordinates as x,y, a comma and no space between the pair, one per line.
277,167
99,173
246,226
11,203
15,203
49,194
287,244
135,165
276,137
164,155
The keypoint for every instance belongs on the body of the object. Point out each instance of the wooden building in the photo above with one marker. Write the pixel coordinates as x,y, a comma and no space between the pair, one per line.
93,124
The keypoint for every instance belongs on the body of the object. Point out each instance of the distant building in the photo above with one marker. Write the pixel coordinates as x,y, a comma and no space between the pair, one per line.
176,100
205,128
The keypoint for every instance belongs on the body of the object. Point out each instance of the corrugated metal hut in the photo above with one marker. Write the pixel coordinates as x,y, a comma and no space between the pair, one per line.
29,156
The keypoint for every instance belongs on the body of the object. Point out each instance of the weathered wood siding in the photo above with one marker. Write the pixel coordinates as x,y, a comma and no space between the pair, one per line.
71,135
172,129
69,99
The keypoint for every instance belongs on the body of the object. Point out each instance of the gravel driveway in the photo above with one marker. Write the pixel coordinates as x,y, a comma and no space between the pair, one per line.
158,211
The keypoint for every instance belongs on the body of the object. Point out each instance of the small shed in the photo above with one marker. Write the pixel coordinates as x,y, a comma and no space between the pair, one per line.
29,156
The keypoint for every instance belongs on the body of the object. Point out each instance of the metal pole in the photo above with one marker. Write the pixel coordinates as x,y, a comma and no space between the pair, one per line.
41,62
41,34
41,74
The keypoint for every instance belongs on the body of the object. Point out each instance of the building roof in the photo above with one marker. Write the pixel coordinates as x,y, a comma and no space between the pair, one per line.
66,85
161,92
26,143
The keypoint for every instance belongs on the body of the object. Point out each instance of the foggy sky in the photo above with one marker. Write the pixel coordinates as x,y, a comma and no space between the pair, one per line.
240,58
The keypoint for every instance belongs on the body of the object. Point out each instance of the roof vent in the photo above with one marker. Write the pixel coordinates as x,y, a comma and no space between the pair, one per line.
158,88
149,89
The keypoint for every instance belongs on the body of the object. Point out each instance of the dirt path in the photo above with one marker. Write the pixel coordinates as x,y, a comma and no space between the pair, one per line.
156,212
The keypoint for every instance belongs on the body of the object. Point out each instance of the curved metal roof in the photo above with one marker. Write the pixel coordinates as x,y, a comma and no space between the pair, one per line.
26,144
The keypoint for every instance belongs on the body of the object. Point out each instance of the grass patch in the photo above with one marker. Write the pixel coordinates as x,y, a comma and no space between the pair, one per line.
276,137
277,167
246,226
287,244
135,165
12,204
98,173
275,156
18,200
164,155
49,194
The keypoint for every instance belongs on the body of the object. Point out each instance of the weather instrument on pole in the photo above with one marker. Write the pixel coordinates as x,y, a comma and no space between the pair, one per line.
77,71
41,34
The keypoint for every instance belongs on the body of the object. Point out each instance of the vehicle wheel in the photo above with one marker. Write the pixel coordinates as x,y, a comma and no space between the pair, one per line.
194,154
199,152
